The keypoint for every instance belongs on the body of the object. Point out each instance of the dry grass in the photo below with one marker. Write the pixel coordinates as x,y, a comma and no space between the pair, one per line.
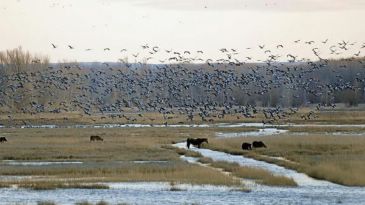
46,203
317,129
334,158
341,116
259,175
183,173
49,185
108,161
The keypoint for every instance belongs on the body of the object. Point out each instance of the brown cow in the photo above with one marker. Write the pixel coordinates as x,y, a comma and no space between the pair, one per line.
95,138
246,146
258,144
195,141
3,139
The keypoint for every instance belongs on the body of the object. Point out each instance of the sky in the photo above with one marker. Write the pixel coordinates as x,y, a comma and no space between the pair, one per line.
206,25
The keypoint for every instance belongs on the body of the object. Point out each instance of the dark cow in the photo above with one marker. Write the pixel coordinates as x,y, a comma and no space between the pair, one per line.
3,139
258,144
246,146
95,138
195,141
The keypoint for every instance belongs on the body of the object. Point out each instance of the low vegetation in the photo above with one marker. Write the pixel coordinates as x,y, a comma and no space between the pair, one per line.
46,203
334,158
78,203
110,161
259,175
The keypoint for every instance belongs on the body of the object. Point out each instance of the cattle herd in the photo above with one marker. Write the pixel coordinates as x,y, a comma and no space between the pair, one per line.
255,144
245,146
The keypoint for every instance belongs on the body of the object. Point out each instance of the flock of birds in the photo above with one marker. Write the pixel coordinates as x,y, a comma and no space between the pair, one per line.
195,87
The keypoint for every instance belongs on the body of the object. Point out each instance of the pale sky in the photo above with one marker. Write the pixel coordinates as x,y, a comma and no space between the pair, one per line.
193,25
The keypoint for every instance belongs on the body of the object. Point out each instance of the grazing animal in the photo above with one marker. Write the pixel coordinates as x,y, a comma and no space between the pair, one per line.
195,141
258,144
3,139
246,146
95,138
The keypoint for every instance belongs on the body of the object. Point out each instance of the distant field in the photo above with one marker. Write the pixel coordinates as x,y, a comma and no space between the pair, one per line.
331,116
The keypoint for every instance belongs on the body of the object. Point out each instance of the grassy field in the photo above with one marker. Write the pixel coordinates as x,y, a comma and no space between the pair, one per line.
331,116
339,159
335,158
113,160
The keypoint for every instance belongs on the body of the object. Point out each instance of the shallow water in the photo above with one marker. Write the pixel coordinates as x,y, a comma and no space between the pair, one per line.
258,133
309,190
41,163
133,193
219,125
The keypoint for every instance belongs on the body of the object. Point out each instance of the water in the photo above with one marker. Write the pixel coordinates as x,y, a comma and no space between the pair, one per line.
40,163
258,133
218,125
309,190
145,193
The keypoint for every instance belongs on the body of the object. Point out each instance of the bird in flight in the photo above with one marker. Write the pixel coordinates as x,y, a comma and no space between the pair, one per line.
155,49
309,42
145,46
53,45
325,41
106,49
70,47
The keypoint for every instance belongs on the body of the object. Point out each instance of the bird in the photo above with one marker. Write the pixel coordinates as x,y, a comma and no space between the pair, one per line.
145,46
70,47
155,48
53,45
325,41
